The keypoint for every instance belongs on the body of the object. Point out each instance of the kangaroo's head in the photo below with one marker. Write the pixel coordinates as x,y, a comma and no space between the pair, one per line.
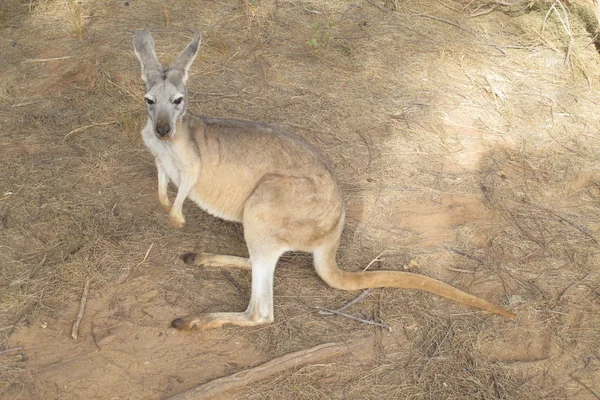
166,95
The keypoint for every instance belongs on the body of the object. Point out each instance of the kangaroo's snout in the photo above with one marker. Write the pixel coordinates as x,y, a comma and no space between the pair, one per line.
163,129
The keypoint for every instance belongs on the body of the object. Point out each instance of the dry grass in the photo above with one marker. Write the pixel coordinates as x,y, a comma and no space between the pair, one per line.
461,137
76,15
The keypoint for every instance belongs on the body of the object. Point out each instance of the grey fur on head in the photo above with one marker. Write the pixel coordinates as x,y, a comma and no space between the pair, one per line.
166,95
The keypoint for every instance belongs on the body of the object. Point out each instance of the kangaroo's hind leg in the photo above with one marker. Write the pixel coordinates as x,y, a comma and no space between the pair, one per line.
216,260
265,246
260,308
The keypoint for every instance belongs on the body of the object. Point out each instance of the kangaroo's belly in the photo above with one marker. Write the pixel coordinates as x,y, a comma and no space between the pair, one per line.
222,195
224,209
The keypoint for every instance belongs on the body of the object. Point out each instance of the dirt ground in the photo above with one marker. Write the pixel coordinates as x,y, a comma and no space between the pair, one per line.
465,136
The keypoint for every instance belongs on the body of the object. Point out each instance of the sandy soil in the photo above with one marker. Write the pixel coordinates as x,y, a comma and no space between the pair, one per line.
465,136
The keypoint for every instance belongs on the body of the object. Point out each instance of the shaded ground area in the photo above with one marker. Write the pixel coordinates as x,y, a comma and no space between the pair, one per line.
464,134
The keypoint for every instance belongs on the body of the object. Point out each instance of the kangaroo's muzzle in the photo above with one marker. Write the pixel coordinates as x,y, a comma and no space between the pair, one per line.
163,130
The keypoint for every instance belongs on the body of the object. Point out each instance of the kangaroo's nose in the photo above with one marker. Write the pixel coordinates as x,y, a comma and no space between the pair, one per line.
163,130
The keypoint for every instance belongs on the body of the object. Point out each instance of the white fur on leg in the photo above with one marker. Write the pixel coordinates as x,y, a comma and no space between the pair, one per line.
187,182
163,182
260,308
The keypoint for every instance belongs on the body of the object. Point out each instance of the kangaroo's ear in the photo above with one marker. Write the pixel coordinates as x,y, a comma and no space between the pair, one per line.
184,59
144,49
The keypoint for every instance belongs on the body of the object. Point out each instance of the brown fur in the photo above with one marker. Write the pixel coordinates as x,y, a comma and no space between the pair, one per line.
276,184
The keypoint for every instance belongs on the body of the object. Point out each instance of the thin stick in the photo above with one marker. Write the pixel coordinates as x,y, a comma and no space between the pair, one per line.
565,23
573,285
375,5
36,60
27,103
462,253
10,350
364,321
350,303
75,331
146,256
596,395
464,271
485,12
437,348
6,327
574,225
375,259
318,354
53,368
81,128
445,21
138,264
356,300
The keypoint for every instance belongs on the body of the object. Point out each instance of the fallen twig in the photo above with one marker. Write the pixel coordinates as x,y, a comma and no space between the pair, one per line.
445,21
464,271
586,387
376,5
364,321
456,25
75,331
138,264
6,327
27,103
566,24
437,348
53,367
37,60
560,217
227,275
350,303
462,253
146,255
378,258
326,311
573,285
10,350
220,386
81,128
494,4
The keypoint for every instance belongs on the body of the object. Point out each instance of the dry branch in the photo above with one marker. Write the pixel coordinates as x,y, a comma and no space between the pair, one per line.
5,351
326,311
464,271
350,303
573,285
456,25
364,321
376,259
41,60
462,253
75,331
271,368
82,128
586,387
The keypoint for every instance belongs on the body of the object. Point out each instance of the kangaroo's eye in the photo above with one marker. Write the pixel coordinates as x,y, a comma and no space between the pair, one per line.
149,101
178,100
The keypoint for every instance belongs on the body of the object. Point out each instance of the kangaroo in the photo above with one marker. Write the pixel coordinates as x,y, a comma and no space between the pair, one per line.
275,183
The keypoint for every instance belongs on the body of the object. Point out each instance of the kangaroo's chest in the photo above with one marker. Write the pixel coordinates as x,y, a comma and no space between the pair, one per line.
170,160
210,192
